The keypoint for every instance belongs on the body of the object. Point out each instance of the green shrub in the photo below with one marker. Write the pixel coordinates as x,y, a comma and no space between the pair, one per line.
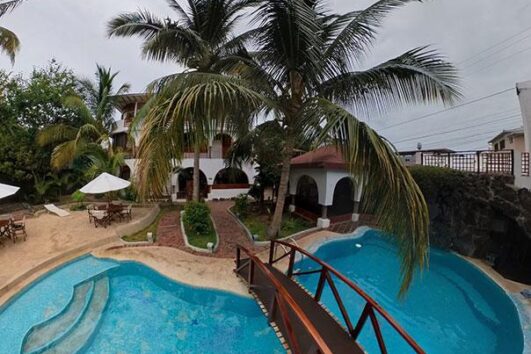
241,206
129,194
197,217
78,197
435,180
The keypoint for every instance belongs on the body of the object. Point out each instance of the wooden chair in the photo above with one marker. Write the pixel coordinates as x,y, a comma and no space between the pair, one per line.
90,209
127,212
19,229
101,218
5,230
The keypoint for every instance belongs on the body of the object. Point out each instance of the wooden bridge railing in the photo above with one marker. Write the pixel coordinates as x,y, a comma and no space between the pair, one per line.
301,334
325,278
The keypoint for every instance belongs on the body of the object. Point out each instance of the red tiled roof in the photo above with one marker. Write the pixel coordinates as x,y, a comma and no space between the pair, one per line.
324,157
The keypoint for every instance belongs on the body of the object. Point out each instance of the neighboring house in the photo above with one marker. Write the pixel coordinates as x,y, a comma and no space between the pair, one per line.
512,139
216,181
415,157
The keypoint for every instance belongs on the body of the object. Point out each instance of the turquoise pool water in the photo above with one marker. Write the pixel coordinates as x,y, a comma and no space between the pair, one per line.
101,306
450,308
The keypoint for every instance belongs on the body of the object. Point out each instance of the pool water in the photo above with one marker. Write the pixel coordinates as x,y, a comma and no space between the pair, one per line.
450,308
101,306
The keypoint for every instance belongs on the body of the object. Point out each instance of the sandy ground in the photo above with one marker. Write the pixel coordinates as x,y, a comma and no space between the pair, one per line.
50,236
200,271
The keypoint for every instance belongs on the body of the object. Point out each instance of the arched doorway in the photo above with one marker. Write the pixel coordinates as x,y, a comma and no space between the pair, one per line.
307,197
185,182
343,201
232,177
188,147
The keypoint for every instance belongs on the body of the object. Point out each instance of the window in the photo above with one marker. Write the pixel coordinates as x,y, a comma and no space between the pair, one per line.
510,140
502,145
496,147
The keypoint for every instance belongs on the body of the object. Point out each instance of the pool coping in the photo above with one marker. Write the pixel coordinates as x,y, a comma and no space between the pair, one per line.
522,308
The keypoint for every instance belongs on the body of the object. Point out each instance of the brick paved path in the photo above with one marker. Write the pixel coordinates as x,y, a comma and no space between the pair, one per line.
229,231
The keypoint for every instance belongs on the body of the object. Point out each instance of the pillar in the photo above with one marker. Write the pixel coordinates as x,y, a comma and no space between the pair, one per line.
323,222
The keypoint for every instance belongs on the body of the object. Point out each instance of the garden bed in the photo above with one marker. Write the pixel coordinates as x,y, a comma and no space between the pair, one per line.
198,228
256,223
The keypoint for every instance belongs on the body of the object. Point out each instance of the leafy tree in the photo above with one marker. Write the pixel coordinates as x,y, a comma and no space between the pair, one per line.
96,122
26,105
201,39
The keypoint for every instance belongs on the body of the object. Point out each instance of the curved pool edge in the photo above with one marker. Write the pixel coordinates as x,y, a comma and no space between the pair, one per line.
522,308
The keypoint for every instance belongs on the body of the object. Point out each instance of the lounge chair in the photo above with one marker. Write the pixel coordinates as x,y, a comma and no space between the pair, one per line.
19,229
127,212
52,208
101,217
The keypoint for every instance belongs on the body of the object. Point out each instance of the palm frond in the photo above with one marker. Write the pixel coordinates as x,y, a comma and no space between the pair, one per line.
184,16
63,154
141,23
77,104
9,43
390,191
359,33
8,6
56,133
419,76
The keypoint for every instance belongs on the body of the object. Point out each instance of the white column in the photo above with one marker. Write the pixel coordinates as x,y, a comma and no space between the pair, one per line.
523,91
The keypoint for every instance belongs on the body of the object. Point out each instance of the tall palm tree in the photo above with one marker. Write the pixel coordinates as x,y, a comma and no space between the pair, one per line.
95,112
307,60
9,42
201,39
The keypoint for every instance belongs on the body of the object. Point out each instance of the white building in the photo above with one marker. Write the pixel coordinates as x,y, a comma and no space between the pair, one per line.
216,181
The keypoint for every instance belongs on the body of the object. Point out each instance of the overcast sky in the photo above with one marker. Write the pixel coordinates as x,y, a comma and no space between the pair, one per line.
73,32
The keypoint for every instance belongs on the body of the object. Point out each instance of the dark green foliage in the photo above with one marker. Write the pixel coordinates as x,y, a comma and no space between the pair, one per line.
26,106
433,181
241,206
197,217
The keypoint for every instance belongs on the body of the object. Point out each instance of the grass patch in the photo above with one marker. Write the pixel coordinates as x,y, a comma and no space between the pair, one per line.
142,234
200,240
257,225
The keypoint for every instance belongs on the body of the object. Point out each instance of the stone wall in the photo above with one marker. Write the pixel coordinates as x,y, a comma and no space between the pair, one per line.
482,216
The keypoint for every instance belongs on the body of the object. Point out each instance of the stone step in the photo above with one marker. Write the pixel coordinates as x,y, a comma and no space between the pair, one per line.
43,335
75,340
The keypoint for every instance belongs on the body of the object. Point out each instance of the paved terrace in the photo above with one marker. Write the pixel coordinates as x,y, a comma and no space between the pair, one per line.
53,239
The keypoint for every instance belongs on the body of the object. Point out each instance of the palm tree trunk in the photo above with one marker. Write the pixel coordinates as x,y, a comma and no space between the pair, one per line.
196,179
274,227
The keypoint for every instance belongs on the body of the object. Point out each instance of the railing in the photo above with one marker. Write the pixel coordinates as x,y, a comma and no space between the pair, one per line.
325,277
486,161
302,336
525,164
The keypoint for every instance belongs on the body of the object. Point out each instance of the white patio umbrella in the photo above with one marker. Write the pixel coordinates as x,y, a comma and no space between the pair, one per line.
105,183
6,190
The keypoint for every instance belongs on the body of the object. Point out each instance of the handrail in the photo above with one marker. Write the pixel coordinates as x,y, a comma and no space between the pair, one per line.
282,295
371,304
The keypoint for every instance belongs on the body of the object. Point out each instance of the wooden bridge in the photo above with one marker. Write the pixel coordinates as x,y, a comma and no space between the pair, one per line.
306,325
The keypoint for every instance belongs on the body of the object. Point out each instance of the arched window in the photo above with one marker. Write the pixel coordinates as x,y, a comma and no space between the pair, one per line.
233,177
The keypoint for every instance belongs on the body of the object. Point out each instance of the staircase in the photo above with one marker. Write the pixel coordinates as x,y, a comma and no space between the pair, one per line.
71,329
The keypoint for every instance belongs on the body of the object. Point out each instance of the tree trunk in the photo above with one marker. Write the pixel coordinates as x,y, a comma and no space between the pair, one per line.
274,227
196,179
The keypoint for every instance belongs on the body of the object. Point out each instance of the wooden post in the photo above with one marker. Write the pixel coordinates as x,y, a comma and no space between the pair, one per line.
291,262
320,285
271,252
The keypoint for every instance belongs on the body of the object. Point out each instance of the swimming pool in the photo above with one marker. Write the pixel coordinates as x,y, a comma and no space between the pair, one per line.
95,305
450,308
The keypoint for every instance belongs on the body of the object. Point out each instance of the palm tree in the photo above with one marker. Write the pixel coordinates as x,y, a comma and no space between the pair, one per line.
102,160
306,61
200,39
96,114
9,42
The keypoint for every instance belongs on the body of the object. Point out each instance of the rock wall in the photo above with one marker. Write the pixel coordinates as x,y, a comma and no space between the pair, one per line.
482,216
